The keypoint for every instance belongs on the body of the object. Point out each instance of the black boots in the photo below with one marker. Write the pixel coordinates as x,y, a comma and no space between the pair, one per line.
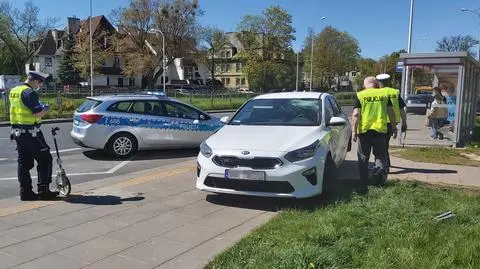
44,193
28,196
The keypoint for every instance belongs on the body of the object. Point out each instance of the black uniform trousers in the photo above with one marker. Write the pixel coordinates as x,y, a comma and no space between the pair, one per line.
367,142
32,148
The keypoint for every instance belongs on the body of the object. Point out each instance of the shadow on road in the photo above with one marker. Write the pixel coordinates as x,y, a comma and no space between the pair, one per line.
158,154
408,170
100,199
341,191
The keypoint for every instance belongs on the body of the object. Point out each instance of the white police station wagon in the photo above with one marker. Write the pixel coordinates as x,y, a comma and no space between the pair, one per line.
123,124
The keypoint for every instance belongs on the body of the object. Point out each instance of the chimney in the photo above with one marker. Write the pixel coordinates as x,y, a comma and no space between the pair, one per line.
73,25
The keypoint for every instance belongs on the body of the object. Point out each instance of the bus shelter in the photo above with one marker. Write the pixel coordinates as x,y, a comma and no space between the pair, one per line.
457,74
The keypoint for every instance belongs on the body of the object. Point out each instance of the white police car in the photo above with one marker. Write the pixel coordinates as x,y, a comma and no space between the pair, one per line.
123,124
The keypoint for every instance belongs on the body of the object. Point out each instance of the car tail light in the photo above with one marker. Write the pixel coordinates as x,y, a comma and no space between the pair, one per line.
91,118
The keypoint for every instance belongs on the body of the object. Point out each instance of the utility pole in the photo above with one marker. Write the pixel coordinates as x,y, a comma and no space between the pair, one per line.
91,51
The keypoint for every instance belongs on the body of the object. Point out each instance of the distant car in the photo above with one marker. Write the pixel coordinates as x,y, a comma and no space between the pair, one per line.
123,124
285,144
418,103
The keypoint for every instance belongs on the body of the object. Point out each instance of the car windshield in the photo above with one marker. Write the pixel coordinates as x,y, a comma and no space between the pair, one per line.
279,112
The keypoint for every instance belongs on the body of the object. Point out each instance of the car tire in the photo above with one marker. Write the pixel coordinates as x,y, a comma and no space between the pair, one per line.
349,147
122,145
329,176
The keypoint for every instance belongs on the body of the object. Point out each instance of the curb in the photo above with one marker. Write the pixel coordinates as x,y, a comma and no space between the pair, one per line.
62,120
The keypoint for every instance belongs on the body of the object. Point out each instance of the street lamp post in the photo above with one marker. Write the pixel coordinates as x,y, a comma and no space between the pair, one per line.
311,58
163,55
91,50
476,12
409,49
296,81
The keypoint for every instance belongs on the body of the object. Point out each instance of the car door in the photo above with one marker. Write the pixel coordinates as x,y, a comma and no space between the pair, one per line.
333,130
186,123
149,123
342,134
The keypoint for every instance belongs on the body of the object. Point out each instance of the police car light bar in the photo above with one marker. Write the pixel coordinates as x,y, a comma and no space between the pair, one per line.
159,94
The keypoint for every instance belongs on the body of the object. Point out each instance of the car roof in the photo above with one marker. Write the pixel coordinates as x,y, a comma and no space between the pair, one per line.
128,97
289,95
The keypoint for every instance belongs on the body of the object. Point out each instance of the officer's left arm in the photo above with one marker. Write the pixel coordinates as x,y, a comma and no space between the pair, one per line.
391,114
403,114
30,100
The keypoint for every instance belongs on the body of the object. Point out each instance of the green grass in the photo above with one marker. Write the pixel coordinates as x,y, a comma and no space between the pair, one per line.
392,227
438,155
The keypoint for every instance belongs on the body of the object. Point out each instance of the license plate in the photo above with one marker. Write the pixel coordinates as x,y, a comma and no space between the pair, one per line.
244,174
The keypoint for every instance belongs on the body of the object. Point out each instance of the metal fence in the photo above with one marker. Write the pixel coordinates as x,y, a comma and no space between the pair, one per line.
63,101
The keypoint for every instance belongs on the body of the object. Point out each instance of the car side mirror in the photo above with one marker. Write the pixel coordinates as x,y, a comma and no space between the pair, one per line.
224,119
337,121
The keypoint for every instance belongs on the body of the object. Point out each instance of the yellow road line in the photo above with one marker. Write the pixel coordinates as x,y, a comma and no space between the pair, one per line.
25,206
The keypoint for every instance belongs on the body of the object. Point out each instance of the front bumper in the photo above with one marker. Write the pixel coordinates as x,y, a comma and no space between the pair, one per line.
286,181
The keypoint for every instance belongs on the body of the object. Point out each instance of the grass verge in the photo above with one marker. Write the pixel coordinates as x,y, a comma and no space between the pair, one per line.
392,227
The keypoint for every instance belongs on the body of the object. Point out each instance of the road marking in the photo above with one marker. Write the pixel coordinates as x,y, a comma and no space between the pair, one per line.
4,138
3,159
25,206
118,166
64,150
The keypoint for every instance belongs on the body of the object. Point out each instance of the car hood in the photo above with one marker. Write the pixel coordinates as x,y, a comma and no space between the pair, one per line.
264,138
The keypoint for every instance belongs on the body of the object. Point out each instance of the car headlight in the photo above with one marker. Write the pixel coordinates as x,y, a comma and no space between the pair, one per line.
302,153
205,150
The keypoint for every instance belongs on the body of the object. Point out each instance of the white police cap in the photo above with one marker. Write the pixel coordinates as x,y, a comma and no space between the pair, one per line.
38,75
382,76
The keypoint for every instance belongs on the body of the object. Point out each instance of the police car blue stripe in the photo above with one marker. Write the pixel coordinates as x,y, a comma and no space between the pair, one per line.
182,125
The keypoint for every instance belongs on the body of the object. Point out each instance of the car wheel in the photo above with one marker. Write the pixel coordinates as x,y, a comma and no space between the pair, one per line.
329,176
122,145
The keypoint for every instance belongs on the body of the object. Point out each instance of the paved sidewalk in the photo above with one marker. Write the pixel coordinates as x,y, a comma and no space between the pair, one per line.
426,172
150,219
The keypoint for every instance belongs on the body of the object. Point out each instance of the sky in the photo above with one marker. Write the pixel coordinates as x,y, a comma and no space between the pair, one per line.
380,27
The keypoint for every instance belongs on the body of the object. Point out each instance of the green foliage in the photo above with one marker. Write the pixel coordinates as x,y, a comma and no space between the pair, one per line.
267,55
334,54
67,72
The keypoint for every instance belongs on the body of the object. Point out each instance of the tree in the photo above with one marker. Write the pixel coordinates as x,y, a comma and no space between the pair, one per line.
18,30
176,19
99,51
267,41
67,73
213,40
458,43
335,53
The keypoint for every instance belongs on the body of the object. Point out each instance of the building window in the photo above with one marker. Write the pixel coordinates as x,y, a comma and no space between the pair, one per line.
238,67
108,81
227,81
131,82
117,62
48,61
222,54
243,81
237,81
225,67
228,54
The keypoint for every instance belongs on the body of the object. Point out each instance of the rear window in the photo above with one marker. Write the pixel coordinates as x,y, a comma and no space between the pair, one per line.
88,105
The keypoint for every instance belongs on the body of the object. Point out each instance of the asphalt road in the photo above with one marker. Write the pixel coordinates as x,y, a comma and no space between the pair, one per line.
81,164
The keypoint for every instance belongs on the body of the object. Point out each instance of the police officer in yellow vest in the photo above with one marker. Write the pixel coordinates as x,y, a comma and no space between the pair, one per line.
25,118
371,114
398,106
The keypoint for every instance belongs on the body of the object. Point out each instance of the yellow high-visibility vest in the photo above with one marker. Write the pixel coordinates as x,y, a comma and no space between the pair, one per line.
374,115
19,112
394,95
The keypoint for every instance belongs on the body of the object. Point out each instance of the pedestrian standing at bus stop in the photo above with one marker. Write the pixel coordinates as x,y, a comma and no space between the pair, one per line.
25,118
371,115
398,106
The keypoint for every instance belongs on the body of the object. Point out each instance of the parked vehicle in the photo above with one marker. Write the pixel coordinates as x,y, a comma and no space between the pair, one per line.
123,124
285,144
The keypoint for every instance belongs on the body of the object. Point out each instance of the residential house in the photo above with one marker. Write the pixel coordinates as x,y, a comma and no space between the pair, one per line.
229,69
50,49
